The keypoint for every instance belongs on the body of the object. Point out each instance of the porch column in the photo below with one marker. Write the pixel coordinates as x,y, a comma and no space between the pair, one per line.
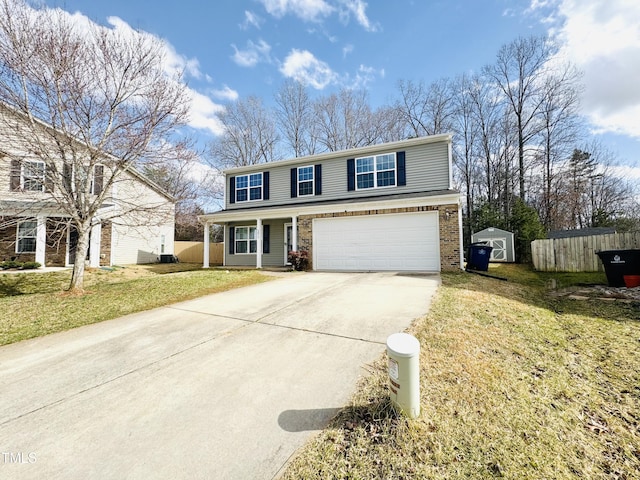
41,239
94,241
259,243
205,263
294,233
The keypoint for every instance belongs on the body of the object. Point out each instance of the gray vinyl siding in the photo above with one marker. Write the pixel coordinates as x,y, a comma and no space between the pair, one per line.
275,257
427,169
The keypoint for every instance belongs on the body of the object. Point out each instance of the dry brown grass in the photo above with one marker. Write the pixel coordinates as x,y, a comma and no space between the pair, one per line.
515,384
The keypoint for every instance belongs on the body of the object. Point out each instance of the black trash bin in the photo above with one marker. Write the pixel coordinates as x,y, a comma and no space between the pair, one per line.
478,254
618,263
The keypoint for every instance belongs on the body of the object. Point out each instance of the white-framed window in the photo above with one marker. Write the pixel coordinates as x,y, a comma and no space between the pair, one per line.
33,176
305,181
376,171
249,187
246,240
26,237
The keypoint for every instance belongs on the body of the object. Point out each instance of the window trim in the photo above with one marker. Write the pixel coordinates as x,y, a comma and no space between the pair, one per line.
34,236
249,187
312,181
248,240
23,177
375,171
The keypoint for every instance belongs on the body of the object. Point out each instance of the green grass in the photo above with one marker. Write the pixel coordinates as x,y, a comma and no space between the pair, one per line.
35,304
515,383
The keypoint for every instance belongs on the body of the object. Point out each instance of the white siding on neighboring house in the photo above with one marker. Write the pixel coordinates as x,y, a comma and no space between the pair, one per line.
141,234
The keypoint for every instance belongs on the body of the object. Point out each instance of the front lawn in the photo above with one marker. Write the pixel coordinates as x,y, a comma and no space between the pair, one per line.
515,383
35,304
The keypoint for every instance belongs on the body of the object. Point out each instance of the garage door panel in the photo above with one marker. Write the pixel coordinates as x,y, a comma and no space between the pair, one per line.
403,242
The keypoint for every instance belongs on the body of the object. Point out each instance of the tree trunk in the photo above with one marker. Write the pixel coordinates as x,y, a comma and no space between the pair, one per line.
77,274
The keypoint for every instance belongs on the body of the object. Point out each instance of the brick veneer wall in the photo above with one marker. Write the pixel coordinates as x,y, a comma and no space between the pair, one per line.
105,244
449,230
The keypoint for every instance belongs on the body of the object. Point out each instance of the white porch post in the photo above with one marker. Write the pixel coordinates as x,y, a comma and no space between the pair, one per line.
41,239
259,243
205,263
294,233
94,249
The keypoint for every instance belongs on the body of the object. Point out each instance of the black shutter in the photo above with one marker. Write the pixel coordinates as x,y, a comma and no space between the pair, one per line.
15,175
232,190
48,179
66,177
98,176
317,177
294,182
232,240
402,169
351,174
266,231
265,186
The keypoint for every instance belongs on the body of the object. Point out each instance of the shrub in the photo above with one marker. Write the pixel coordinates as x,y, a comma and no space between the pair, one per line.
30,265
299,260
7,264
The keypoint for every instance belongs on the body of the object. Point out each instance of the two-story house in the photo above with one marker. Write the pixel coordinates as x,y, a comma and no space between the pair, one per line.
387,207
135,224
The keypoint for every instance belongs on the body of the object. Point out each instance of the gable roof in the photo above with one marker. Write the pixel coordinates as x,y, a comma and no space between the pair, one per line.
581,232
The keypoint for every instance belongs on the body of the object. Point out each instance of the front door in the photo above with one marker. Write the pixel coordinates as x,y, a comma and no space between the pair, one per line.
73,244
288,241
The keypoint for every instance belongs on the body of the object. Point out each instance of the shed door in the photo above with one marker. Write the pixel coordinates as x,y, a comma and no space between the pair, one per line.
499,252
390,242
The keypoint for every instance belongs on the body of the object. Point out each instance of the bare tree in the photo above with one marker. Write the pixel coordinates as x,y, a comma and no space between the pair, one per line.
194,186
343,120
87,102
519,72
426,110
294,113
558,135
250,135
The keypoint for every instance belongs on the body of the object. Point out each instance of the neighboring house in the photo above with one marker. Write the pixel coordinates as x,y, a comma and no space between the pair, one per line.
383,207
500,240
33,227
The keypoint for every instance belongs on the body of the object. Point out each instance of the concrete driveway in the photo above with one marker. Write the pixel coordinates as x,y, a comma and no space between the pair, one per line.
224,386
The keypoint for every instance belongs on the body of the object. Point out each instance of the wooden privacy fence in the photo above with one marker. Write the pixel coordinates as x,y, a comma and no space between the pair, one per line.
578,254
193,252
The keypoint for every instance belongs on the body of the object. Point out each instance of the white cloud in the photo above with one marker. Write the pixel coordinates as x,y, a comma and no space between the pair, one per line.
307,10
603,40
357,8
254,53
225,93
346,50
303,66
363,77
251,20
203,113
625,172
318,10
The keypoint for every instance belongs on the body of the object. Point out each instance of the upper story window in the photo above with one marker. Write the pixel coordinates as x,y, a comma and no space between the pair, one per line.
248,187
305,181
32,176
26,239
376,171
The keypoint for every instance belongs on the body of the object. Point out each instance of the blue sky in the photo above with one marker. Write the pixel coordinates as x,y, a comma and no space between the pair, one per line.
236,48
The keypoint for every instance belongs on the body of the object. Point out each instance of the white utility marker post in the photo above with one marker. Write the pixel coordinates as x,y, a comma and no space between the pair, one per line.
403,351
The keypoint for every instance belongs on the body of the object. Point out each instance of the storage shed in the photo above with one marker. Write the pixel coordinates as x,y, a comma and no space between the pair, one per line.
501,241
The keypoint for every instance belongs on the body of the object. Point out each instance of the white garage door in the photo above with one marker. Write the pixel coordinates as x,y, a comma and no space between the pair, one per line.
399,242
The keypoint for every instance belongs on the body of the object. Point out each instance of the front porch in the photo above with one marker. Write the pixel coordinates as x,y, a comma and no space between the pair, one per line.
262,242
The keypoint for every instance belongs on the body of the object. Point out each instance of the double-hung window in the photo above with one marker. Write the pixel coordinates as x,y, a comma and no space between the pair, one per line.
305,181
249,187
27,232
33,176
246,239
376,171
